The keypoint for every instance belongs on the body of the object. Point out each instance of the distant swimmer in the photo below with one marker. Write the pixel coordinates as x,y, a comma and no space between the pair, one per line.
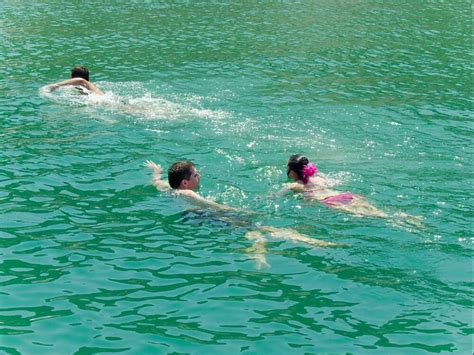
80,80
184,179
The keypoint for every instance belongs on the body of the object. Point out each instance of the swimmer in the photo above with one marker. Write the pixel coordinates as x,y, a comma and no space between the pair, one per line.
80,80
184,179
316,186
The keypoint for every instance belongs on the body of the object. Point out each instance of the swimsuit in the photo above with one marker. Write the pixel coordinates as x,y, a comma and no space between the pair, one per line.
327,197
340,199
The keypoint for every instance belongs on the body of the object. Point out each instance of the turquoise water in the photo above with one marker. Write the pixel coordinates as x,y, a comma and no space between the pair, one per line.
94,259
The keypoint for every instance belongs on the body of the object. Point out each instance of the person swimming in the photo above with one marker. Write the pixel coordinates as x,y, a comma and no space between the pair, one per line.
79,80
184,180
316,186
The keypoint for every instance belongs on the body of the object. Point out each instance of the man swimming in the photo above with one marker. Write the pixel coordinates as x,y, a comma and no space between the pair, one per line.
80,80
184,179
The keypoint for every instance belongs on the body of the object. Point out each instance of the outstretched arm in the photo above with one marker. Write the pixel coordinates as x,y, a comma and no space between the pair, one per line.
160,184
200,201
293,186
75,82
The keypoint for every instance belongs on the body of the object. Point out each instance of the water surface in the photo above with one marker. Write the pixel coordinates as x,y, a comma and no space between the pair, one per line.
94,259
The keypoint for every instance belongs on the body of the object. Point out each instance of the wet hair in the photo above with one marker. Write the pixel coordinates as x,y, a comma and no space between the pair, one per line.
296,163
80,72
179,171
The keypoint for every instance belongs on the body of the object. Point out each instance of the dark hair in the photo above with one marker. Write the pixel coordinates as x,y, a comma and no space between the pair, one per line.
80,72
178,172
296,163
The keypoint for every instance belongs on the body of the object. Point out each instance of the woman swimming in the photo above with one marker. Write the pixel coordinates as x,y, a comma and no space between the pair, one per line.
316,186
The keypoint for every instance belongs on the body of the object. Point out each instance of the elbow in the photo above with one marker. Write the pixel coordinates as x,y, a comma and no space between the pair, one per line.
79,81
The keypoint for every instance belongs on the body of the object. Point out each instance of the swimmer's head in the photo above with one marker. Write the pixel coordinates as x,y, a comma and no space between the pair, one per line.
299,168
183,175
80,72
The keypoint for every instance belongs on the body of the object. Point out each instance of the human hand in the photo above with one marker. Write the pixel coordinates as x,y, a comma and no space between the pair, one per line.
152,165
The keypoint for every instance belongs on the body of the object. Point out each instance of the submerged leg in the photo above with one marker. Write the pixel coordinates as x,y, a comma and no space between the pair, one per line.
359,206
257,251
407,220
294,236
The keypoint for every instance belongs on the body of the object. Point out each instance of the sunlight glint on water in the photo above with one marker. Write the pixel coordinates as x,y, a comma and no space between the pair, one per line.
94,259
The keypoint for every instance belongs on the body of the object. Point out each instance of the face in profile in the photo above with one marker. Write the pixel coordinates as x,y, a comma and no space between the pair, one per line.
291,174
193,182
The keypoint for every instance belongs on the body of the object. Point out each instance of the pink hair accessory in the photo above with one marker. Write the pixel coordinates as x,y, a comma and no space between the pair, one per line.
308,171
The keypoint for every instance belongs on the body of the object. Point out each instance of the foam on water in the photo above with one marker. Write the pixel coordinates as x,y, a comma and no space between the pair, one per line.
135,100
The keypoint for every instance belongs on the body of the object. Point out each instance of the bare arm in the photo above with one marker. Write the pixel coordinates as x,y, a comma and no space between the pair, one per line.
160,184
293,186
200,201
190,195
75,82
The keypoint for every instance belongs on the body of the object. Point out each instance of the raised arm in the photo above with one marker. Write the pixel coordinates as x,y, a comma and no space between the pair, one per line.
75,82
160,184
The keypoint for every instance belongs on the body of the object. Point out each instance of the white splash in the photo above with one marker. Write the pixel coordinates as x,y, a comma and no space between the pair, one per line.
144,106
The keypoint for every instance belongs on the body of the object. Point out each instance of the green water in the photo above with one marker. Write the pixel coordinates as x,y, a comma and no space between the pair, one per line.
94,259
